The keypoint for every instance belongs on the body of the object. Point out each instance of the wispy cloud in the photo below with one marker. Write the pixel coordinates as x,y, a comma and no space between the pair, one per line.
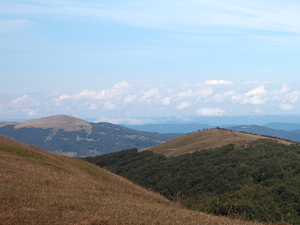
287,107
189,16
13,25
183,105
127,120
210,112
218,82
24,101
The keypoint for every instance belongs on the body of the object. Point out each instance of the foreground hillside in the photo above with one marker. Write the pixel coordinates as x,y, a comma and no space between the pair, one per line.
75,137
38,187
259,181
210,139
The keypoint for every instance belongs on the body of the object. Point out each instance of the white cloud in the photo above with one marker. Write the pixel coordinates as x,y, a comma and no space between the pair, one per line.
24,102
256,96
183,105
150,93
93,106
63,97
210,112
218,82
187,93
293,96
257,91
130,98
149,99
287,107
87,94
204,93
129,121
31,112
166,101
109,105
222,96
285,88
119,89
256,100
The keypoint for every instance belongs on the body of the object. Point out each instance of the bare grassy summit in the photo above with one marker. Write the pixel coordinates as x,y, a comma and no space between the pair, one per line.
65,122
38,187
210,139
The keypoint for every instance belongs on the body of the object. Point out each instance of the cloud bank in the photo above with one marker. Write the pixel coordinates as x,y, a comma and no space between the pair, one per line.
124,100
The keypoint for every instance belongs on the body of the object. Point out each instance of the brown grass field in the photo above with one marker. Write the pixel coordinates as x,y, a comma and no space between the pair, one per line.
38,187
209,139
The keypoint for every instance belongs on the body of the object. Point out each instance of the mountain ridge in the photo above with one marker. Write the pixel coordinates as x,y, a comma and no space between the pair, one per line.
75,137
211,138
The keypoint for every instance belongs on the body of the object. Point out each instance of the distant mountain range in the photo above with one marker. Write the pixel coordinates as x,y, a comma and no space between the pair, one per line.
283,126
193,127
293,135
79,138
76,137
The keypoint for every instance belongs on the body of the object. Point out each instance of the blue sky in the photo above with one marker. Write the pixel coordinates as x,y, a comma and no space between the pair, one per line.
120,60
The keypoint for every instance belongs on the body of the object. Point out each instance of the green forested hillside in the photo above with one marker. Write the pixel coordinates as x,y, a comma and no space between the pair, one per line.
255,183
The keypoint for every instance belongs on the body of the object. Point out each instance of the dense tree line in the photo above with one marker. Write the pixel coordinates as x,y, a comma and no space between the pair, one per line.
256,183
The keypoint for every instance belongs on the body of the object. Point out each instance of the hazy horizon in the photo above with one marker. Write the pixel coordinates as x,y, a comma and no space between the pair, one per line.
208,120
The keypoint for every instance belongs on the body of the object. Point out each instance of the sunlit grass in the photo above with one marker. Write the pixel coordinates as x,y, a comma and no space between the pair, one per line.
207,139
37,187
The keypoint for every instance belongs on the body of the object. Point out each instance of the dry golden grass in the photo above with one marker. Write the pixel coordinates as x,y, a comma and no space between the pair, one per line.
37,187
209,139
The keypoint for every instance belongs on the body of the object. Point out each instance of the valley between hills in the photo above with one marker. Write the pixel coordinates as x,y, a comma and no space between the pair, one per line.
213,176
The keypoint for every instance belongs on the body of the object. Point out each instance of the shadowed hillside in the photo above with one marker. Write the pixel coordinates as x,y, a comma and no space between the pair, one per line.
38,187
209,139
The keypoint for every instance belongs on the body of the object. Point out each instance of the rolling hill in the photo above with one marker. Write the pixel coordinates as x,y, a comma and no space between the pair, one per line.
38,187
75,137
288,131
209,139
219,171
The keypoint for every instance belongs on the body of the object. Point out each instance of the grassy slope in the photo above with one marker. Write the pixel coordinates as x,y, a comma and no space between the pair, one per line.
37,187
208,139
